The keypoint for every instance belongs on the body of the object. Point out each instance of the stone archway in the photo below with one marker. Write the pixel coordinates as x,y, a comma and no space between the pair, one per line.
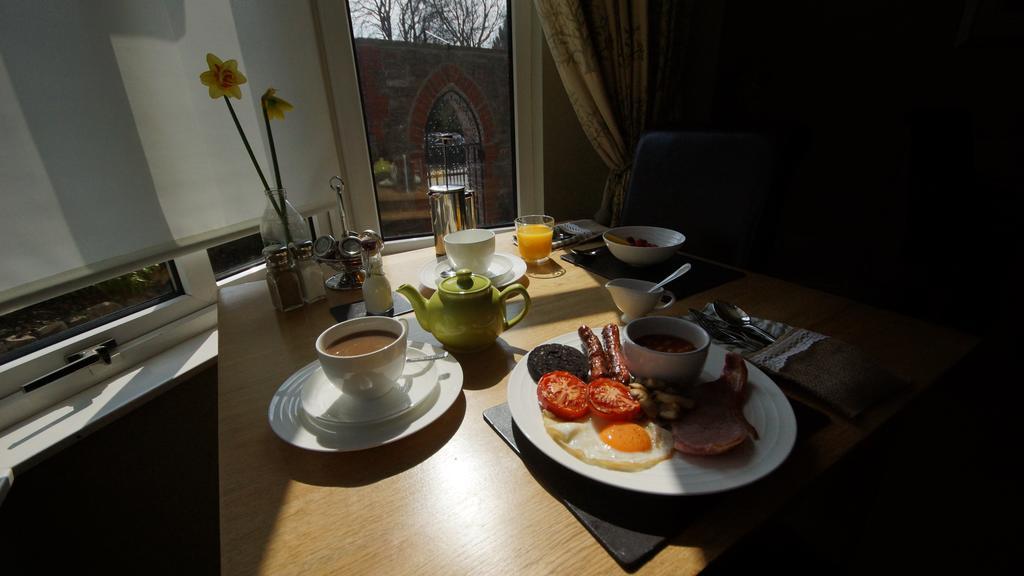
450,78
449,81
455,103
453,153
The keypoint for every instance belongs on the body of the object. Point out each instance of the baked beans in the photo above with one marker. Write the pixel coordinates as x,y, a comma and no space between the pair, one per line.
665,343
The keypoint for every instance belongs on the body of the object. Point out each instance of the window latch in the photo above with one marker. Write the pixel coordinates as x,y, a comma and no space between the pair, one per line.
75,362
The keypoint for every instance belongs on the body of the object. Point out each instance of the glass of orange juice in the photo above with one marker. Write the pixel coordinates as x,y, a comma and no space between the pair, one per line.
534,236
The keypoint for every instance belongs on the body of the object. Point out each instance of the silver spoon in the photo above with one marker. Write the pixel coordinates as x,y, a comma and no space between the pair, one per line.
735,315
437,356
679,272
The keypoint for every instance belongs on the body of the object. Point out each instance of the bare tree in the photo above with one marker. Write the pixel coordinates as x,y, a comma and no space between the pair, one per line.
376,15
501,36
468,22
415,19
475,23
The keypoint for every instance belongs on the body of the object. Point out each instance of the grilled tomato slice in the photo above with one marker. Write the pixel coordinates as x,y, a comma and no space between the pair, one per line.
610,399
563,394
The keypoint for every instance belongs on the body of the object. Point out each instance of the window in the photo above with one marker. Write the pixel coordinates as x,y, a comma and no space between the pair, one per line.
443,93
132,164
235,256
157,312
46,323
435,85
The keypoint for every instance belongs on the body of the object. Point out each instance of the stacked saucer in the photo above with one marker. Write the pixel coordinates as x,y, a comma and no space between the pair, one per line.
310,412
504,270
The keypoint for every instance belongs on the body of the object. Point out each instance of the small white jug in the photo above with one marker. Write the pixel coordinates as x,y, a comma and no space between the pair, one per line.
632,298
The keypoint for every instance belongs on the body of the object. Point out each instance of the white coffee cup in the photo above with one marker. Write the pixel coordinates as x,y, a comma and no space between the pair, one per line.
473,249
368,375
632,298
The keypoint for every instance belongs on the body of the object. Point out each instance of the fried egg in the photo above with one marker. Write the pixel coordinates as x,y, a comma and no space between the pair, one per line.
614,445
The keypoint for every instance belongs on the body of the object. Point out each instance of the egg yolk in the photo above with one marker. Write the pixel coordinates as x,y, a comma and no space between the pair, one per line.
626,437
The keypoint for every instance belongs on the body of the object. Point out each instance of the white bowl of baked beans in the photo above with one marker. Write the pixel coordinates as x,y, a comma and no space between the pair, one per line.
665,348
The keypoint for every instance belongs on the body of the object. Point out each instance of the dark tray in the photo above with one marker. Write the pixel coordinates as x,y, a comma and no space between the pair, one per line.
631,526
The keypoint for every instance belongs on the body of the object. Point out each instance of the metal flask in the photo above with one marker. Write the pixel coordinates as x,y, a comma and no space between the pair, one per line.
452,208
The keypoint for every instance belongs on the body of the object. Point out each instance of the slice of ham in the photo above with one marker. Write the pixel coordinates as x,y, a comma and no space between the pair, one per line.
716,424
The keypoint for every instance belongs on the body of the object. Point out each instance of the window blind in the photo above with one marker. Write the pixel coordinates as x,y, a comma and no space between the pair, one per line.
112,154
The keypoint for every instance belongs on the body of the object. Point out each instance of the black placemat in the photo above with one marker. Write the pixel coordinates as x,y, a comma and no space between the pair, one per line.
352,310
702,276
631,526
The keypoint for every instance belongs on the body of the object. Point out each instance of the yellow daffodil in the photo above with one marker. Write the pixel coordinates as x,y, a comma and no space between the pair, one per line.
275,106
223,78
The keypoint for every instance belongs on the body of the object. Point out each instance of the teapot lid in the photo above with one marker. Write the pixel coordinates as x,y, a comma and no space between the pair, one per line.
464,282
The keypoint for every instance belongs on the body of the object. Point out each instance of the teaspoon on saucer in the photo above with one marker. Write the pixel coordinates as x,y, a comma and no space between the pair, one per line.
437,356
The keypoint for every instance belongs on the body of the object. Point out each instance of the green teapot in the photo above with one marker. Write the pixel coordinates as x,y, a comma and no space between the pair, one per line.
466,313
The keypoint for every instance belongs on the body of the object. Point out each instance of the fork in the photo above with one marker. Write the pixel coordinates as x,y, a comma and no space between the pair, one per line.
722,332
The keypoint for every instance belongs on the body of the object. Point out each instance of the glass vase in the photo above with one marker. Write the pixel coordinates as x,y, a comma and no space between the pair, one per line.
282,224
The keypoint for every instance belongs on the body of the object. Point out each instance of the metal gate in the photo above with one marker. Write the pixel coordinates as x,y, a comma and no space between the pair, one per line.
450,160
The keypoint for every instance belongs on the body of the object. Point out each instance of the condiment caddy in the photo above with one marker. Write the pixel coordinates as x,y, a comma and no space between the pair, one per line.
343,254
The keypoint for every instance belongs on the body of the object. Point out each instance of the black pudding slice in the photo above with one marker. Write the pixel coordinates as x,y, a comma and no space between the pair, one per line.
550,357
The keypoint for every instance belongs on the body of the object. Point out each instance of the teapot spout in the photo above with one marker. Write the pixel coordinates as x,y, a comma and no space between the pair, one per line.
419,304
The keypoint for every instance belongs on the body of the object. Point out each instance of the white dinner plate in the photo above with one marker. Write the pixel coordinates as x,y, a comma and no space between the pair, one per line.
766,408
293,425
514,267
322,400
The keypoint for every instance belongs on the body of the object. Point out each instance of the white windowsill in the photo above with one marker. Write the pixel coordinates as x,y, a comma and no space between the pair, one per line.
31,441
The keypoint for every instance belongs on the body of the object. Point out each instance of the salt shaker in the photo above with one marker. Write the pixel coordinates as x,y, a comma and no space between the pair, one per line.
376,287
310,275
282,280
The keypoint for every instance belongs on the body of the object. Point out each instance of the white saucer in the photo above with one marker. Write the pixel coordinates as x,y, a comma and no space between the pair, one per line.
291,423
324,401
513,269
498,267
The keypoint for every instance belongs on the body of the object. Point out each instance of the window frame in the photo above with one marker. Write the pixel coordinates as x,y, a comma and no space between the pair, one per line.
139,336
350,130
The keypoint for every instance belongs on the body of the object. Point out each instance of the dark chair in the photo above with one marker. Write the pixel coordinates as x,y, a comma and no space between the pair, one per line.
712,187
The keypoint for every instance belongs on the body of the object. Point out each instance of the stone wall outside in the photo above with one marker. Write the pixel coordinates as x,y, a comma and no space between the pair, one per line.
400,82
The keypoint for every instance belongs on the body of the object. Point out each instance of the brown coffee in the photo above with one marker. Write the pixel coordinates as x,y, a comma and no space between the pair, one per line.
359,343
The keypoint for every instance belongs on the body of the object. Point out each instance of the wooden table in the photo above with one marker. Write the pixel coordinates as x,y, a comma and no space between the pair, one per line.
452,498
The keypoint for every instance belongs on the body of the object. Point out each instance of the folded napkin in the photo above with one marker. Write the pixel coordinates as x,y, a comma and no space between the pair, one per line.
829,370
577,232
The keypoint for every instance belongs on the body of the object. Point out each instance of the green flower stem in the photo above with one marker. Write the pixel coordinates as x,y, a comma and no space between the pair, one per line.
284,217
248,148
278,205
273,149
277,176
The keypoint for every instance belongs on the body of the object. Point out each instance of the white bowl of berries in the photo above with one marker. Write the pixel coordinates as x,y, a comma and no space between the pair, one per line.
642,245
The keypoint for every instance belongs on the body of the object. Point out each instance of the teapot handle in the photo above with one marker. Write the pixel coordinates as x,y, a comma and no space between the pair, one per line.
505,295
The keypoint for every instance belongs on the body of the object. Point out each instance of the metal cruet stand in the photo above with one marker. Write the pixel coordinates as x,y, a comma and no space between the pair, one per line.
345,254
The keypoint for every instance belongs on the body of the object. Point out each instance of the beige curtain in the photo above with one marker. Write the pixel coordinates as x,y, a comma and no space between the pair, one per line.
603,52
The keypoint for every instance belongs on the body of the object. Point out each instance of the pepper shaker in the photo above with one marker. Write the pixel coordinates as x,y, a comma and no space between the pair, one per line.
282,280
